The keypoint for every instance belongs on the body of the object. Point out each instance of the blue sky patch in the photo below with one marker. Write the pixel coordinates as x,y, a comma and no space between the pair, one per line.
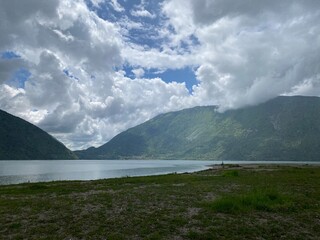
19,78
176,75
186,75
9,55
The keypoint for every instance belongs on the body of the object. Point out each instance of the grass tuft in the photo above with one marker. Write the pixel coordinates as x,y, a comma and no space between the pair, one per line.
230,173
257,200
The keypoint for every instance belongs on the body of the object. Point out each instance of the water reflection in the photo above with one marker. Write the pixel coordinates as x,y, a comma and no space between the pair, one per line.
12,172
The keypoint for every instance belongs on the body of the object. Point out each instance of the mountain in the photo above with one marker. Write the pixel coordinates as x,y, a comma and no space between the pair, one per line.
21,140
285,128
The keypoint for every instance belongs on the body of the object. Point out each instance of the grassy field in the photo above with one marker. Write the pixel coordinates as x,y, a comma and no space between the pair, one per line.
234,202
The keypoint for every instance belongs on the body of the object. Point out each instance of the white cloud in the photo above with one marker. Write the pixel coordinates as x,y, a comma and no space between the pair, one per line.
139,72
244,53
116,6
65,36
250,52
309,87
97,3
179,13
140,10
142,13
74,92
164,58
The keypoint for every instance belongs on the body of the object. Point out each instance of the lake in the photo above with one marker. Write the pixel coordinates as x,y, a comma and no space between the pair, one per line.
12,172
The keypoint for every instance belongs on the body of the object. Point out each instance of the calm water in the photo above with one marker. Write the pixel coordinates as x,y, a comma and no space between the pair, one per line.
12,172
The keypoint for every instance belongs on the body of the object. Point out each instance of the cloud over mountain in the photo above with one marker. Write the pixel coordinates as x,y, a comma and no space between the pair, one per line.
78,56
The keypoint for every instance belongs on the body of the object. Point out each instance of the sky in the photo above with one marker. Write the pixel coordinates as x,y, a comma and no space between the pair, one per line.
86,70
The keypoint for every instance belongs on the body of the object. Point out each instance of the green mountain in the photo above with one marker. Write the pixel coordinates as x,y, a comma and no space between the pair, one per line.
285,128
21,140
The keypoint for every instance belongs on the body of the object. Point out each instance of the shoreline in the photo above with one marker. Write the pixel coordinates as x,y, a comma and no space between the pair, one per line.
212,167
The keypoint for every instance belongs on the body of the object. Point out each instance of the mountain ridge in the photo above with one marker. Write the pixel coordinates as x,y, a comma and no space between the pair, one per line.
21,140
284,128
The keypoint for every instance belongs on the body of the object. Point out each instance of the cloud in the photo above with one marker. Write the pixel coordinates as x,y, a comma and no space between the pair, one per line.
74,91
116,6
166,57
250,51
66,36
309,87
139,72
17,19
242,53
141,12
97,3
208,12
181,21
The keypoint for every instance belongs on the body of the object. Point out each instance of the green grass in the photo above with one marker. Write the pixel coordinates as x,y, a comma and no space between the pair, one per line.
231,173
269,200
266,202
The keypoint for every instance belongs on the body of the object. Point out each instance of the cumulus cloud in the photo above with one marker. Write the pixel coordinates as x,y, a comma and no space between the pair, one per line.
207,11
164,58
74,91
116,6
180,14
251,51
76,42
139,72
242,53
18,19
